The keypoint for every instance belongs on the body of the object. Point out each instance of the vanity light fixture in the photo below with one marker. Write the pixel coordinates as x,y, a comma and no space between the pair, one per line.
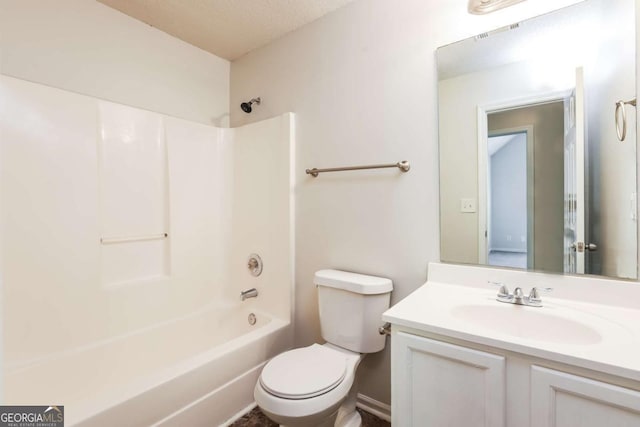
481,7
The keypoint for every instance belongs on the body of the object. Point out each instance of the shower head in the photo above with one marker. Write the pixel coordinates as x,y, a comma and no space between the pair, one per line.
246,106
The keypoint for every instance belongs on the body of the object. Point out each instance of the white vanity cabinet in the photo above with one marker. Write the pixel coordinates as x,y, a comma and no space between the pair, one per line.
459,358
559,399
440,384
436,383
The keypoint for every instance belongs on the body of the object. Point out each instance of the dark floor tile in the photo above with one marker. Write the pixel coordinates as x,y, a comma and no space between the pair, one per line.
370,420
256,418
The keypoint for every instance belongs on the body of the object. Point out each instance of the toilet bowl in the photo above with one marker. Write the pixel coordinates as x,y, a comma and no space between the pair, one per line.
315,385
310,386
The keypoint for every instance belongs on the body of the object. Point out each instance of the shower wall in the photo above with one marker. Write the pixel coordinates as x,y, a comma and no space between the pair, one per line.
263,211
75,170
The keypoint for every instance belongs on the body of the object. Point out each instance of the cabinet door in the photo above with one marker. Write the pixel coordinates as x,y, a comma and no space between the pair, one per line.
559,399
444,385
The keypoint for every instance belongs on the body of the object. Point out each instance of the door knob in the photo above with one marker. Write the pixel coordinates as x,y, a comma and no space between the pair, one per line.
581,247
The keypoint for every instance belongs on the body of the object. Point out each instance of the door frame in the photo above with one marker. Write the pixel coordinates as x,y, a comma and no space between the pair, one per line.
483,134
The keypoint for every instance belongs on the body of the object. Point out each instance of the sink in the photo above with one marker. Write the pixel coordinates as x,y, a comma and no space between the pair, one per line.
587,322
528,323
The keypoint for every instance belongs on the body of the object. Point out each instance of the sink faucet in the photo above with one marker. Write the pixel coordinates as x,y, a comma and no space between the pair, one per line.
249,293
534,295
518,297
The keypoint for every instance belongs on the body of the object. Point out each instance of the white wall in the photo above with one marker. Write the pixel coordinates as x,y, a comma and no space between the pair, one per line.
86,47
362,82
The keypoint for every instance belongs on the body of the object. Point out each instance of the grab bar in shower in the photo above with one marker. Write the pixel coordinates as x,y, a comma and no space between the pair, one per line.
114,240
403,166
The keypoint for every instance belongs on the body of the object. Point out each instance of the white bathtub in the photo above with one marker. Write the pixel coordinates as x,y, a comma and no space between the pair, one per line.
196,370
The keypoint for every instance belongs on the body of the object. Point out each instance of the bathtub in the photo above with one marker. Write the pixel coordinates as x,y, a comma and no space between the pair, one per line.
198,370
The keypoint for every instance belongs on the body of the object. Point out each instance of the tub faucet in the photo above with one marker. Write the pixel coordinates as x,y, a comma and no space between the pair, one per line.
249,293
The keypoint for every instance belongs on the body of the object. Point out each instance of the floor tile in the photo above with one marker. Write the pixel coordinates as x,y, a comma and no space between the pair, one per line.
256,418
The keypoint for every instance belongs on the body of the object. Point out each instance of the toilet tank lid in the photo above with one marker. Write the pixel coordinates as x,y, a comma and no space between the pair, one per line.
353,282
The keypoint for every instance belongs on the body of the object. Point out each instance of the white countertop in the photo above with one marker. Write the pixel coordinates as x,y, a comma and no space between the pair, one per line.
601,337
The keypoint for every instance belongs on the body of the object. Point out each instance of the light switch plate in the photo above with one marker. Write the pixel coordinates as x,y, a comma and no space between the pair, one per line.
468,205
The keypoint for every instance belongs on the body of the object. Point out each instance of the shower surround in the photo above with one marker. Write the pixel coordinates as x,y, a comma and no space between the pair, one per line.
124,241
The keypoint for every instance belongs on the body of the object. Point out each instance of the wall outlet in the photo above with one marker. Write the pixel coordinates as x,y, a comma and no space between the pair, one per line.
468,205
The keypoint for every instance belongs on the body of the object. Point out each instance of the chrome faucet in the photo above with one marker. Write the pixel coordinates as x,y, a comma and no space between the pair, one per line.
249,293
518,297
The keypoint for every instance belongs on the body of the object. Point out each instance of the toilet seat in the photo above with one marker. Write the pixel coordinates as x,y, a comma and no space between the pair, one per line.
304,373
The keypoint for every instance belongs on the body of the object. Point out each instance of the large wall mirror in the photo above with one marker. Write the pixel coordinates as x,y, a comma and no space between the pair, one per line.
537,126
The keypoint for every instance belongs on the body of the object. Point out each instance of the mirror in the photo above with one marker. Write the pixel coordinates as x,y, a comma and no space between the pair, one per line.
532,170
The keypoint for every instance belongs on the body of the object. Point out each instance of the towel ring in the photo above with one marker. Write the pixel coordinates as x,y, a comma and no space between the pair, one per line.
622,133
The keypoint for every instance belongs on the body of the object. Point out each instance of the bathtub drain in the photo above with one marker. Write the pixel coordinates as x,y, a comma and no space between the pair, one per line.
252,319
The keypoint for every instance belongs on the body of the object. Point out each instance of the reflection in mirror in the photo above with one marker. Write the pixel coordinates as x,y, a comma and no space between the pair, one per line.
525,209
532,170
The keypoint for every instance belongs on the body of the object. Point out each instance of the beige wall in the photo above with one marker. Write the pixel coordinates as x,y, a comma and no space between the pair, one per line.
362,82
86,47
548,182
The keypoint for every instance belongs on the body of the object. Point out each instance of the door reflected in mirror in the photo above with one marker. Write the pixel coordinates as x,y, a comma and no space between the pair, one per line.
530,121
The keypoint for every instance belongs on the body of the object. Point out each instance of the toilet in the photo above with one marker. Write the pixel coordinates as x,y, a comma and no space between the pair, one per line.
315,385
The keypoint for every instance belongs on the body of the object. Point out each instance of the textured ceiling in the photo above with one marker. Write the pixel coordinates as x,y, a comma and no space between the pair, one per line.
227,28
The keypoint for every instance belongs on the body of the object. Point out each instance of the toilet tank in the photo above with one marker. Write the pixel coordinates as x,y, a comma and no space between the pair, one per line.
351,307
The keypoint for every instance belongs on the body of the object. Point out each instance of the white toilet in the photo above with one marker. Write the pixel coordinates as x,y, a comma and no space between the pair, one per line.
314,386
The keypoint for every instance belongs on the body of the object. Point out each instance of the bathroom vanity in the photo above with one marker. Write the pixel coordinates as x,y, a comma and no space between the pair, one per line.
550,184
462,358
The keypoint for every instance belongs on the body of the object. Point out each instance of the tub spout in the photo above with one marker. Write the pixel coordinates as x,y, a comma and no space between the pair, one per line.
249,293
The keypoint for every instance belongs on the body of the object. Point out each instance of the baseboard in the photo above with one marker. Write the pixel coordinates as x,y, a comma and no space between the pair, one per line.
512,250
379,409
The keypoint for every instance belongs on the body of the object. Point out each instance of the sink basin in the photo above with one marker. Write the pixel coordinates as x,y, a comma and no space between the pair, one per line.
527,322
